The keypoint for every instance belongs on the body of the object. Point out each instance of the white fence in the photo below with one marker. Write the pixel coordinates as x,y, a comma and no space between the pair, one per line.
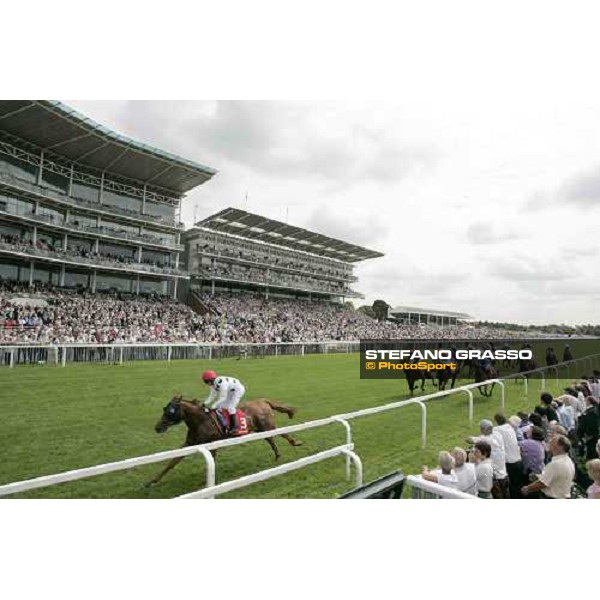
61,354
422,489
211,489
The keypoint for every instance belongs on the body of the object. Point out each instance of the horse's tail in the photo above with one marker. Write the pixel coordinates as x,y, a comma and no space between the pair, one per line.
288,410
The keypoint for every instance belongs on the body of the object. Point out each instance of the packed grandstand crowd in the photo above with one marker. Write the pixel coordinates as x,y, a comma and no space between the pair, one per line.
551,453
46,314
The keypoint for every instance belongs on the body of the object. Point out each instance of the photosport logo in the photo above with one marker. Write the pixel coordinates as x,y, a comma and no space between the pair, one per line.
395,359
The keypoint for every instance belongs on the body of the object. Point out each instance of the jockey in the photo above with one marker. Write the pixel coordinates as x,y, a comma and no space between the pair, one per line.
225,392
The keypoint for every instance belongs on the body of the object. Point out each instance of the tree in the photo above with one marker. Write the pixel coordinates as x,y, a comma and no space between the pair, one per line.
380,308
367,310
349,305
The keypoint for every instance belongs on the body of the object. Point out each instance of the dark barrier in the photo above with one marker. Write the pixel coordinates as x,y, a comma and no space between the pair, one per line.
388,487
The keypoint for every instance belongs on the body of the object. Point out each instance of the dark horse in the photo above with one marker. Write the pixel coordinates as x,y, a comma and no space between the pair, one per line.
203,425
483,374
446,375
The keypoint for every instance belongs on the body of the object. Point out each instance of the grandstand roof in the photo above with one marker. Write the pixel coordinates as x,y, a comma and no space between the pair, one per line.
427,311
62,131
244,224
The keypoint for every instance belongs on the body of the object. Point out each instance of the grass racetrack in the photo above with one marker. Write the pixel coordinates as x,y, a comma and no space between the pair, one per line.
55,419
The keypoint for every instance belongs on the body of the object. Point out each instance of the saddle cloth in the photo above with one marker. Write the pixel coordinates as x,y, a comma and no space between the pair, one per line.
242,421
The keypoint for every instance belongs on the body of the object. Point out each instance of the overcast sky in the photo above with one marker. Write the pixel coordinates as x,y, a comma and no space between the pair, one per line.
485,207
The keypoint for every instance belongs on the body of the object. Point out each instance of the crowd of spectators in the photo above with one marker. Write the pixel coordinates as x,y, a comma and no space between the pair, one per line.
53,315
274,277
76,315
551,453
275,258
83,254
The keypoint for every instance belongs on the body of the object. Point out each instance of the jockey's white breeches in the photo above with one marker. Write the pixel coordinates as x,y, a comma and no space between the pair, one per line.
231,399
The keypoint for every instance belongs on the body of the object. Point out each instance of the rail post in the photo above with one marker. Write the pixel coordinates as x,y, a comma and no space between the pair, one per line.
12,358
470,394
423,423
121,355
169,353
352,456
210,467
348,441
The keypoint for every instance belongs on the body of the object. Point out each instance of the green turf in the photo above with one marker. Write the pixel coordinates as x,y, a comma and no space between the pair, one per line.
55,419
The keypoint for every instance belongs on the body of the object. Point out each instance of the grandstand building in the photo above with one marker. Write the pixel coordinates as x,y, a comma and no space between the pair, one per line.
411,315
82,206
237,251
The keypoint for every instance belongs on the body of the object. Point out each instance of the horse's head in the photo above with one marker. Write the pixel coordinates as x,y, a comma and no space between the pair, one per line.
172,415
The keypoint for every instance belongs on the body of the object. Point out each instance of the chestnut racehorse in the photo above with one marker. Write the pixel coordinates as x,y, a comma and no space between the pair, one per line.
202,426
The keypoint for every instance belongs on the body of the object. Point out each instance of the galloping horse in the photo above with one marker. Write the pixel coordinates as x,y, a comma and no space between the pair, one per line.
446,375
482,374
203,425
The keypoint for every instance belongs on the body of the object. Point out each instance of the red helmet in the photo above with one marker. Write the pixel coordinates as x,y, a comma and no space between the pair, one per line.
209,376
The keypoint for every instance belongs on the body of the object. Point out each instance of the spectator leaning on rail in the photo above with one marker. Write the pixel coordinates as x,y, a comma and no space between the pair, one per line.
556,479
446,477
500,488
465,472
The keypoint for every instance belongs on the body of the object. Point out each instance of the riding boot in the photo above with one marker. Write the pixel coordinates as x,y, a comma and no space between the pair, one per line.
232,423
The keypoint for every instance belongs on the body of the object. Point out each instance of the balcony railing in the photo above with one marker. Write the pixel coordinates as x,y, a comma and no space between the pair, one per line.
96,261
264,281
77,202
93,229
231,257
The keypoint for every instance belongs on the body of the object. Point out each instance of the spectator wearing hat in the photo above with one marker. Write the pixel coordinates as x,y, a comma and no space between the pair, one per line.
465,472
512,451
556,479
500,489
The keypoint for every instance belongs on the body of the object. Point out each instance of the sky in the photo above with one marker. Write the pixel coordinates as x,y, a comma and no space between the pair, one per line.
489,209
467,148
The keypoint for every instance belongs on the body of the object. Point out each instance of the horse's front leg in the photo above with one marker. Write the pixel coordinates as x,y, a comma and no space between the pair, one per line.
172,463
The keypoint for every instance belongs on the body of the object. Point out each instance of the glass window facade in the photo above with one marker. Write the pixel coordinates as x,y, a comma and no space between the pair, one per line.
110,198
80,220
77,279
160,210
85,192
55,181
56,216
46,274
168,238
15,206
153,287
107,282
111,226
18,168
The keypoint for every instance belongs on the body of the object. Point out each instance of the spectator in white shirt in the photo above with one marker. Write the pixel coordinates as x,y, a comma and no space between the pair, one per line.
494,439
445,476
514,463
557,477
484,470
465,472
